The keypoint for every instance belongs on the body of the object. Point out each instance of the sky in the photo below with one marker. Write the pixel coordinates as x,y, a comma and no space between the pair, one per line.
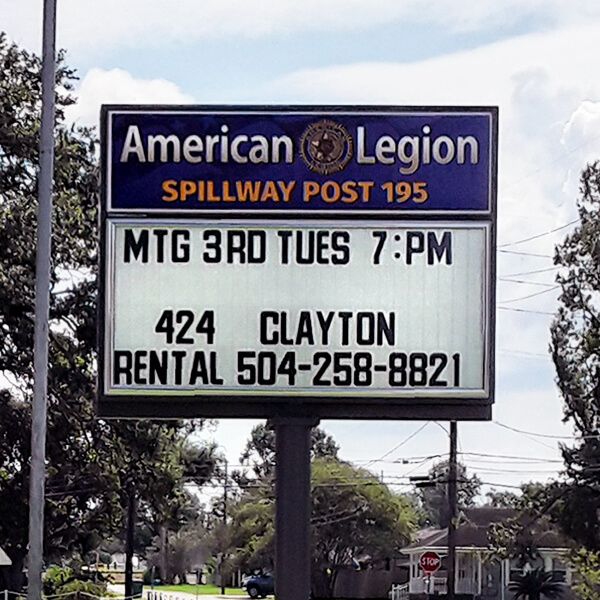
537,60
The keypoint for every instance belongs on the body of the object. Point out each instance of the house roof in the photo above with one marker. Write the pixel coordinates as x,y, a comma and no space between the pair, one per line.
472,531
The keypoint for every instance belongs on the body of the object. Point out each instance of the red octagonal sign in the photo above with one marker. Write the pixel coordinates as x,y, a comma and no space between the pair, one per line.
430,562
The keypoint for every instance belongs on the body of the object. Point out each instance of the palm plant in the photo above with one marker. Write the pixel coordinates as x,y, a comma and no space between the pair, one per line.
534,584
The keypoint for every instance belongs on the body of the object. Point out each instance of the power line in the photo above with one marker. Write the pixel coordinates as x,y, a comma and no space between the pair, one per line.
525,253
502,485
549,164
509,457
412,459
400,444
539,235
538,283
503,457
395,480
515,471
523,353
542,435
530,295
523,310
404,461
535,272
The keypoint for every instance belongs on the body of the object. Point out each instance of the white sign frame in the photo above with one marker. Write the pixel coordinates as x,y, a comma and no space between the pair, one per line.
391,261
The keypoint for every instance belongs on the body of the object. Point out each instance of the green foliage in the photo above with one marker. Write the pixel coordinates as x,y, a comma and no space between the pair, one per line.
533,521
253,527
90,463
576,353
259,452
75,508
72,590
56,577
157,458
434,500
502,499
152,462
186,549
354,517
586,574
66,583
534,584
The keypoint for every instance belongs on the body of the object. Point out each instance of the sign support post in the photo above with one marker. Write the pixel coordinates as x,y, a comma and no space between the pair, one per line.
292,520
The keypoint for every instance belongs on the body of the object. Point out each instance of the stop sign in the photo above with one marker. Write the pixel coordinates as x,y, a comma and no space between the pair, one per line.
430,562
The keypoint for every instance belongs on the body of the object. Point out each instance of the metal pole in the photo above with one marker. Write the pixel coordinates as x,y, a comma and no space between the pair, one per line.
222,563
42,303
292,519
130,538
452,501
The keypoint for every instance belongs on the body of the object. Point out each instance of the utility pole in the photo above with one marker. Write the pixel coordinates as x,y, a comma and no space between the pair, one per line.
42,307
129,538
225,484
452,505
222,561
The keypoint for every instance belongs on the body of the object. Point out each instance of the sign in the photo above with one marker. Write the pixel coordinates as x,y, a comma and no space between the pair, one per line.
308,308
266,161
430,562
323,264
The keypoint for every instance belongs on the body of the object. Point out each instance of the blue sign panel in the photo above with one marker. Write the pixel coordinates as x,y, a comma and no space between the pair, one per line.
245,160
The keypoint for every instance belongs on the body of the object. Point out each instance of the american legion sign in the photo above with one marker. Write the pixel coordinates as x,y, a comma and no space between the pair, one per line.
304,261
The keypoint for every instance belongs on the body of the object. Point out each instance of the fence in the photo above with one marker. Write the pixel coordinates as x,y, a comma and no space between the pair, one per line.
399,591
78,595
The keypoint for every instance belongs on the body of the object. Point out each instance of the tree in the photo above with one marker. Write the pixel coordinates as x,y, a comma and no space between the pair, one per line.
252,532
502,499
152,462
575,346
354,517
586,568
69,585
188,548
260,448
534,584
530,523
434,499
87,458
75,508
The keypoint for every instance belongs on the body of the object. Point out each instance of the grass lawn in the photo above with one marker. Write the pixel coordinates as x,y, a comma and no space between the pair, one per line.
210,590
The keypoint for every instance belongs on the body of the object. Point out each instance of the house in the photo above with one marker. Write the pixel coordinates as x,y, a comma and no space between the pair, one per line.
476,575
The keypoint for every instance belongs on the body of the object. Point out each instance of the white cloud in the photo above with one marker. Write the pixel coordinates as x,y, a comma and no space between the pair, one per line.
581,136
119,87
584,124
492,74
92,25
535,82
549,99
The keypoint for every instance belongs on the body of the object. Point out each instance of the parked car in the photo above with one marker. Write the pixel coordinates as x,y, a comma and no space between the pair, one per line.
260,585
